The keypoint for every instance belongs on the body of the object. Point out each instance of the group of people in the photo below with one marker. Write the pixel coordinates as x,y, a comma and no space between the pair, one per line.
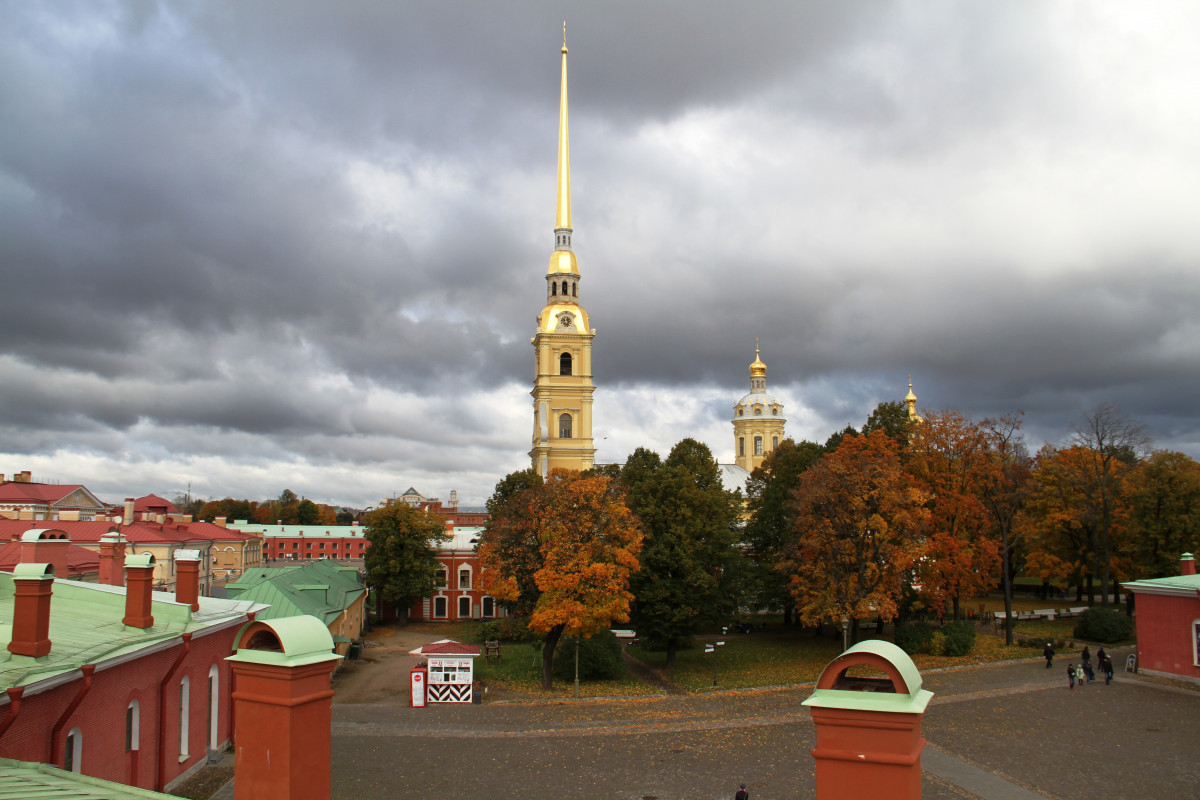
1084,672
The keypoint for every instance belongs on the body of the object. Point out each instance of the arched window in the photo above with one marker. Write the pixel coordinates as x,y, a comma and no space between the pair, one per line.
184,713
741,445
774,442
564,288
133,725
564,364
758,445
553,288
574,290
564,426
214,707
73,752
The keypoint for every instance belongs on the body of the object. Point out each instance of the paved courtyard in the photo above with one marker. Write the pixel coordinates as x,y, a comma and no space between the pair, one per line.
1005,732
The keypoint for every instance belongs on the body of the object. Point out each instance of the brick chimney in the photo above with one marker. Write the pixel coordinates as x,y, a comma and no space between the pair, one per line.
221,521
1187,564
282,704
46,546
112,559
24,476
128,518
187,578
32,586
139,591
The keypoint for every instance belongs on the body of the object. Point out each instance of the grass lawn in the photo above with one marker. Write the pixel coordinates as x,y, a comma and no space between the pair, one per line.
783,657
521,671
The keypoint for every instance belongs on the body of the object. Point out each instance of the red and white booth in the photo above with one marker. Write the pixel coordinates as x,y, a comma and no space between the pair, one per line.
451,671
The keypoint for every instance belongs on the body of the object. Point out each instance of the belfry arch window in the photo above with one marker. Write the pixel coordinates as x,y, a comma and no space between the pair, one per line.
564,426
758,445
574,290
553,288
564,288
564,364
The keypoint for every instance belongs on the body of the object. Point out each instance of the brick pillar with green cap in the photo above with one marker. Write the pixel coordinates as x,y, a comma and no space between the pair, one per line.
282,709
869,738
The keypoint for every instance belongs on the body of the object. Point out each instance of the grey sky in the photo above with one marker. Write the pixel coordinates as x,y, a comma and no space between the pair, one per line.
262,245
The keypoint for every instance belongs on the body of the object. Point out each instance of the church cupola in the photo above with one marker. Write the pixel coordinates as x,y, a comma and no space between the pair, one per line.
757,419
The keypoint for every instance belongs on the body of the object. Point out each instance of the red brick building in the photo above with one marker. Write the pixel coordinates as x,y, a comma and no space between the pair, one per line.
1168,623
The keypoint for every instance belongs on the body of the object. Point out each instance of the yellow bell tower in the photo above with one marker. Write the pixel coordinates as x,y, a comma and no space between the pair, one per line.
562,387
757,419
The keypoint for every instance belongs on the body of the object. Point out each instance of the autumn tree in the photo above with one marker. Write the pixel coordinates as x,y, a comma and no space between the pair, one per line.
401,562
229,508
950,461
771,530
563,553
1003,490
691,570
307,513
1162,503
1112,443
892,418
859,521
1060,524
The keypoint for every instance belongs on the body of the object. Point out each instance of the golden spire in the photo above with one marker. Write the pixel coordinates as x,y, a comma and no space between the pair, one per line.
562,218
758,369
910,400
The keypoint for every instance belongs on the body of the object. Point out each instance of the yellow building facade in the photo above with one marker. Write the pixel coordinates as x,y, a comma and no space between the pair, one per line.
757,420
562,387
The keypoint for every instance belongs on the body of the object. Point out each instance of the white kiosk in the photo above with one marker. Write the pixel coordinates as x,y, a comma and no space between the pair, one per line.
451,670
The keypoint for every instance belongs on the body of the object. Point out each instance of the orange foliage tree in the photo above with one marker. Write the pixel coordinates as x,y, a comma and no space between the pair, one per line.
860,522
563,553
949,459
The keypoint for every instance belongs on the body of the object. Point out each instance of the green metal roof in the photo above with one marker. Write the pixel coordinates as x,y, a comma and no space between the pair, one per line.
320,589
86,627
24,780
1182,584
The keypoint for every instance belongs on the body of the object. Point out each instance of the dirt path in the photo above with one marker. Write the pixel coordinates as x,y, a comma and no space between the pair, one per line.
649,675
381,673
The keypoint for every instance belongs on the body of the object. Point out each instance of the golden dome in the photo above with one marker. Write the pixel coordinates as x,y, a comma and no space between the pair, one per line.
562,262
554,315
757,369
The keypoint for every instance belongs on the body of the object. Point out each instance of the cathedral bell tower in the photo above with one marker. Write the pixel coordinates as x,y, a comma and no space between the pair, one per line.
562,386
757,420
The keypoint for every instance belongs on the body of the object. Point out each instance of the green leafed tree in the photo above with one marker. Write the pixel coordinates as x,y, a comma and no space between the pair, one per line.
1162,498
692,571
401,562
770,534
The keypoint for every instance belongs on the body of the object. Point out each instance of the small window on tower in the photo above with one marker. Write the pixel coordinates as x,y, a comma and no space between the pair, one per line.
553,288
574,290
564,364
758,445
741,445
564,288
564,426
774,442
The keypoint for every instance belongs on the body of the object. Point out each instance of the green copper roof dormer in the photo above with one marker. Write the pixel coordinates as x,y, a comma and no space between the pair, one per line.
26,571
881,655
301,640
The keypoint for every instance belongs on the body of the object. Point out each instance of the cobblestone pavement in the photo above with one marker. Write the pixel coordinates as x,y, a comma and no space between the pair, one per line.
1000,732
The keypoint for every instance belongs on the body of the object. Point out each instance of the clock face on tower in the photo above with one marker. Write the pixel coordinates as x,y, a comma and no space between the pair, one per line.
566,320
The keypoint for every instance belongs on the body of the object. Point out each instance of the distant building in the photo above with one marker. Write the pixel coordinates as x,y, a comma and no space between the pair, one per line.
331,592
23,498
757,420
457,594
306,542
451,512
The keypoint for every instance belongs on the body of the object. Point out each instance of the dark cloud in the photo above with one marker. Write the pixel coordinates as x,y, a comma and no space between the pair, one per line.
258,245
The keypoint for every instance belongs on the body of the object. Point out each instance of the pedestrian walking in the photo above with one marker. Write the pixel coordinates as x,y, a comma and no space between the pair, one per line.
1048,654
1107,668
1088,671
1080,676
741,793
1085,656
1071,675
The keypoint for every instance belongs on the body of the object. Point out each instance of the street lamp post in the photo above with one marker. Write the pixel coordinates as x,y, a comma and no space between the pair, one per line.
845,633
712,648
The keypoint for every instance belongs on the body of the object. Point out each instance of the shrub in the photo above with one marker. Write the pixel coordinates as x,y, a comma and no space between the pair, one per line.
912,637
1103,625
599,657
959,637
936,646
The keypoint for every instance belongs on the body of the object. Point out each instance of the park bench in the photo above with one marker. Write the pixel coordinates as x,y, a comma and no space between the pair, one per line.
491,648
1077,610
1046,613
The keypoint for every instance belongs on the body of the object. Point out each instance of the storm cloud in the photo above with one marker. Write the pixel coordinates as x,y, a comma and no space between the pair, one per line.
250,246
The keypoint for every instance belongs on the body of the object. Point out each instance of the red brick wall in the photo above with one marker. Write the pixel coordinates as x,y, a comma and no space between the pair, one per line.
101,715
1164,633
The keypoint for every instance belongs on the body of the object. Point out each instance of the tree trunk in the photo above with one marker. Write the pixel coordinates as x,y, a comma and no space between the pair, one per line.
1091,591
957,610
672,649
548,656
1007,566
787,614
